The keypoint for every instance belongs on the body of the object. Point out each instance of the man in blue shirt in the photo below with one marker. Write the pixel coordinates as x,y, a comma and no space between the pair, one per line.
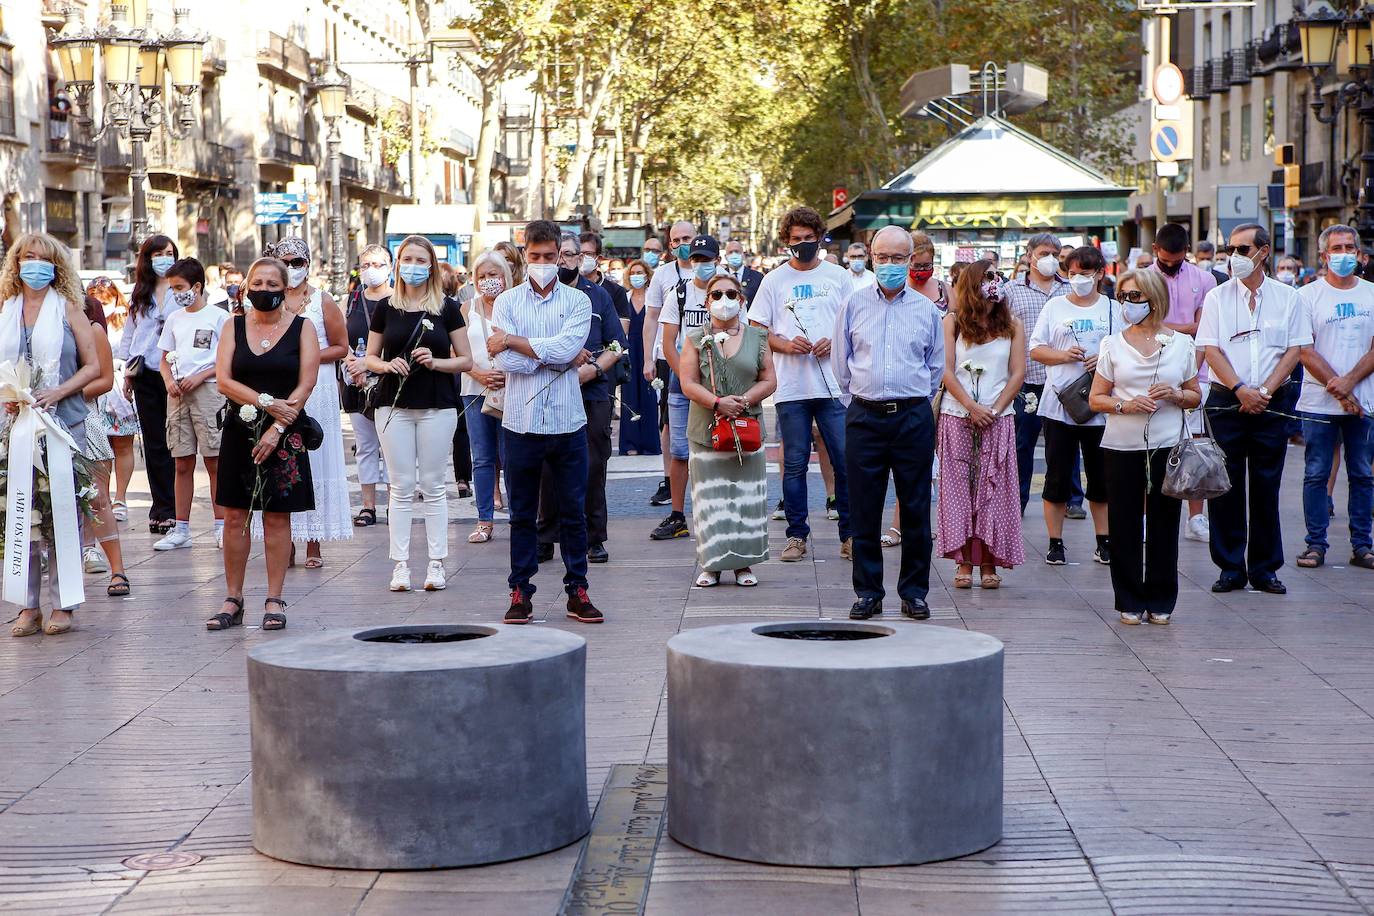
888,357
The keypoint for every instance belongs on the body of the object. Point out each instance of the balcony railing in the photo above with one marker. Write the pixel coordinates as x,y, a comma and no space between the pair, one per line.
1238,66
1218,81
1195,82
284,147
500,163
283,55
193,157
70,138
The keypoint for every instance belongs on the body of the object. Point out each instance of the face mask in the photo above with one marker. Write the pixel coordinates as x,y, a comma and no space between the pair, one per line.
735,260
375,276
295,276
567,275
857,265
1135,312
638,281
588,265
1048,266
890,276
1169,270
991,291
683,251
1205,264
725,309
651,258
705,271
37,274
1286,276
265,300
1082,284
232,290
542,274
921,276
1342,265
805,252
185,298
414,274
1241,266
162,263
491,287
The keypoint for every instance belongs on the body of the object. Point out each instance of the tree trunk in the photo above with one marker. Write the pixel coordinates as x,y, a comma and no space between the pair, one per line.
486,149
593,93
634,178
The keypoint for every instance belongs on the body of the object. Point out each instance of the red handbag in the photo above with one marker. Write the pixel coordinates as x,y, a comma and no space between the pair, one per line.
732,434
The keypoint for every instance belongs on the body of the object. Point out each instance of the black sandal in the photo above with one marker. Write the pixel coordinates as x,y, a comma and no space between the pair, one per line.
117,589
366,518
223,621
274,621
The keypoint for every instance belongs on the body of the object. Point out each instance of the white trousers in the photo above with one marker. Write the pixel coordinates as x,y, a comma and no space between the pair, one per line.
417,444
368,448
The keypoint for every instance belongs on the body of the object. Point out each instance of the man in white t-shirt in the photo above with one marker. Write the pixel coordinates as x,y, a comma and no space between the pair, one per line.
797,304
189,341
669,281
856,259
1337,395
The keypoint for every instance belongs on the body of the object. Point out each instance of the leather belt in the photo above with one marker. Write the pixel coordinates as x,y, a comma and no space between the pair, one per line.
889,407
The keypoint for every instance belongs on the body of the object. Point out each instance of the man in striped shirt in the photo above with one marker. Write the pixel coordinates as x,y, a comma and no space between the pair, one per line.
538,333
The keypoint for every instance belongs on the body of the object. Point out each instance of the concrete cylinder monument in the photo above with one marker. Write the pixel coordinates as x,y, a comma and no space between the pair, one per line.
418,746
830,743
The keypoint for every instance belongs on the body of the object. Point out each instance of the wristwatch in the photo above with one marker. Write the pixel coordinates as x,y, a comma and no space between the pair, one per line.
281,430
266,400
1264,390
1118,407
600,373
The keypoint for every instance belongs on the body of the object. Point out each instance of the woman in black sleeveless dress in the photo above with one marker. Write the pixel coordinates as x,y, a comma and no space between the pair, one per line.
266,368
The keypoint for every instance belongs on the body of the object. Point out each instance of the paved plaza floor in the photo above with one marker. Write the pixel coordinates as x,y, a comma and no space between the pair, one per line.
1225,762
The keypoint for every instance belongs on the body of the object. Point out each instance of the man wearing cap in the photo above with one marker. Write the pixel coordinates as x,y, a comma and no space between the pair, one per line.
670,281
682,313
797,304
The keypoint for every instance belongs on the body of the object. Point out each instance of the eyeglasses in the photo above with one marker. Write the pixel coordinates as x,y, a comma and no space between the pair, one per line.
991,275
928,265
298,263
718,294
1134,296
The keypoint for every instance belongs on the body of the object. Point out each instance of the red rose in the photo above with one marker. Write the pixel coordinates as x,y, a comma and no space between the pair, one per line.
281,453
294,440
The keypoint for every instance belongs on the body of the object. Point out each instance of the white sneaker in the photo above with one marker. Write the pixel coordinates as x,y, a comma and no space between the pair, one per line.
219,537
434,576
1198,529
177,537
93,561
400,578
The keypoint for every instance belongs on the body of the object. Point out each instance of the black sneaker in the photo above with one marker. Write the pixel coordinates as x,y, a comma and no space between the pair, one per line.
1055,555
521,608
581,609
1103,555
674,526
1075,511
663,495
545,553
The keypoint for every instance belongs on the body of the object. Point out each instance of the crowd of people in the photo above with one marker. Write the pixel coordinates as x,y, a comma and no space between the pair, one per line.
942,385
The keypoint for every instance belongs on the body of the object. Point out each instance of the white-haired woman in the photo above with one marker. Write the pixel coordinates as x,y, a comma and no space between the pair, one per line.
416,344
1146,377
374,270
43,323
491,274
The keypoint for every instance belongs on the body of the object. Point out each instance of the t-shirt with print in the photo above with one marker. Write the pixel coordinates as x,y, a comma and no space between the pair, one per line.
691,316
193,337
663,290
1063,325
423,388
793,302
1342,323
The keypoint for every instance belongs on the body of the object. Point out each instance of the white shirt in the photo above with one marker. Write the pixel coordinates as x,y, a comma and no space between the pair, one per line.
1341,322
1131,374
1063,325
1276,324
193,337
663,290
479,329
992,357
692,316
860,280
793,302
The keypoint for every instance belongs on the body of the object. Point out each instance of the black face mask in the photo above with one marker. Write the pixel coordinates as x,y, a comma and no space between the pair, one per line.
567,275
1168,269
805,251
265,300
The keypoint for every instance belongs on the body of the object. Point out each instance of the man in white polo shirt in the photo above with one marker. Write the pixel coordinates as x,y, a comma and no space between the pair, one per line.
1253,328
1336,395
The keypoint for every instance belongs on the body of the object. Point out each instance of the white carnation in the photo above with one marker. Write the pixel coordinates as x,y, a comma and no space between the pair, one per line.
248,413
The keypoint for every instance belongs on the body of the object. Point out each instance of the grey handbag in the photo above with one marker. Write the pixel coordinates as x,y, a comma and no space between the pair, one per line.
1196,468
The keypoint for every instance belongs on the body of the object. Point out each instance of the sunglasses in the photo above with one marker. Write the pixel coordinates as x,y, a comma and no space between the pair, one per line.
298,263
926,266
991,275
1242,250
718,294
1134,296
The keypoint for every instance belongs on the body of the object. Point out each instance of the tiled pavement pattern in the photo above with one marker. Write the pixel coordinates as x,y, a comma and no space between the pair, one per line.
1225,762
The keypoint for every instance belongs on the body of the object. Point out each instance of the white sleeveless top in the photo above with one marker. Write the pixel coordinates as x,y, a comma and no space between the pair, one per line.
478,328
992,357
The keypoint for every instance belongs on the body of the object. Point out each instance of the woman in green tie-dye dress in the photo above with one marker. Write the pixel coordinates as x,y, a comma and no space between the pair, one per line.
729,489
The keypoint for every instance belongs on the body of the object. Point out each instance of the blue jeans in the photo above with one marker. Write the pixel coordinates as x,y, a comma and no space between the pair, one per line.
526,455
679,408
484,435
794,423
1322,441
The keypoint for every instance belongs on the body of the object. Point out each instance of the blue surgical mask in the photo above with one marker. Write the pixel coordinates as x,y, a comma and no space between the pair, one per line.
651,258
683,251
857,265
1343,264
37,274
735,259
162,263
704,271
414,274
1135,312
891,276
639,281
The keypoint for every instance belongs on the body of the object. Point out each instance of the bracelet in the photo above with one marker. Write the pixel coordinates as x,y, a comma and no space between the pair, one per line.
716,407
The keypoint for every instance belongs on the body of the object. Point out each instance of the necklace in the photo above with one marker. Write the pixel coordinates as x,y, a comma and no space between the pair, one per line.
266,342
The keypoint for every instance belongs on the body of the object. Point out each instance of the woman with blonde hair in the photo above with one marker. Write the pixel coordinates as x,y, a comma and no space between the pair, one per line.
921,275
116,411
1146,377
43,324
516,259
492,276
417,344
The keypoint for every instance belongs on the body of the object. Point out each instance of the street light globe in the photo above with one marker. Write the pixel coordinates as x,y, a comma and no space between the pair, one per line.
184,52
332,87
1319,35
152,65
121,46
1358,35
76,51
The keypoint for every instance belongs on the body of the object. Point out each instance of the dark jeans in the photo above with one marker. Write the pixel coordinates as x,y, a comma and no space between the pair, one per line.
794,424
150,400
1255,444
1027,432
1144,577
901,444
598,456
1323,438
526,455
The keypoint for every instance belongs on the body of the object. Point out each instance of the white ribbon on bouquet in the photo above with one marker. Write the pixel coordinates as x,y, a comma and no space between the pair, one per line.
29,428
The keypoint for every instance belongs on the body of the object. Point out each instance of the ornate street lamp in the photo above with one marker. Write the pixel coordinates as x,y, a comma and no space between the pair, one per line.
331,87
